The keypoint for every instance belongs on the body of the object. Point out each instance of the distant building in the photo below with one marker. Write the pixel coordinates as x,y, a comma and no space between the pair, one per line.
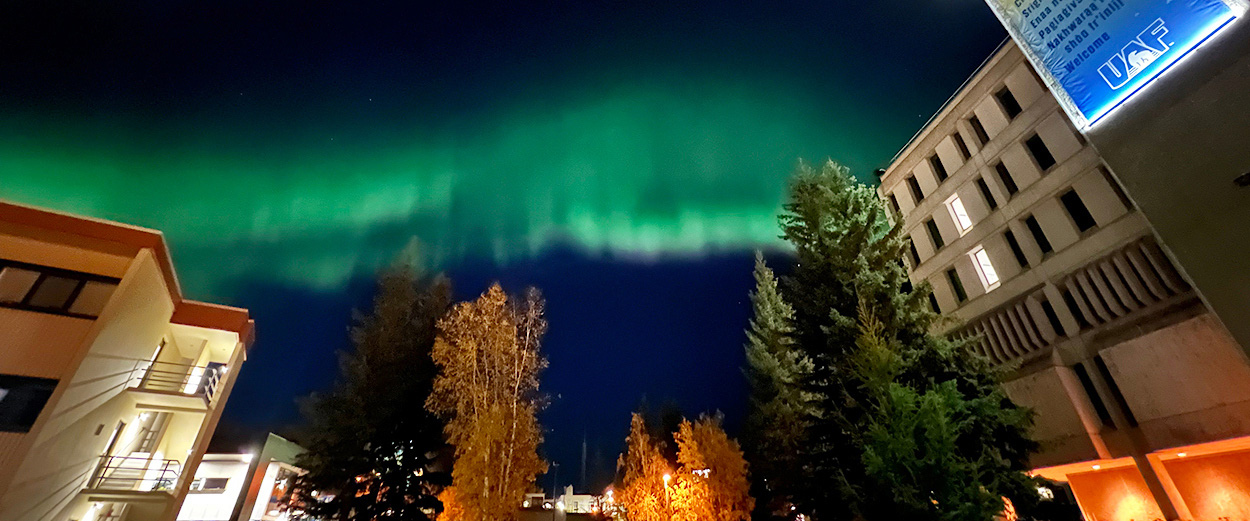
243,487
1142,396
111,383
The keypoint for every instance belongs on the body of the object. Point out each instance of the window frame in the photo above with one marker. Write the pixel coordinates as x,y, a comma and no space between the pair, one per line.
43,389
980,265
1004,94
935,234
939,168
1084,222
961,145
81,278
1045,151
957,285
913,185
984,188
978,128
955,216
1008,181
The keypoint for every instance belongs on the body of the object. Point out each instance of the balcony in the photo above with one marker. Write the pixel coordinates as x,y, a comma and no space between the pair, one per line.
139,476
1117,290
180,386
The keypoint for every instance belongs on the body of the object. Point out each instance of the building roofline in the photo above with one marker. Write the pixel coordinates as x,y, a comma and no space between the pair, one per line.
946,106
186,312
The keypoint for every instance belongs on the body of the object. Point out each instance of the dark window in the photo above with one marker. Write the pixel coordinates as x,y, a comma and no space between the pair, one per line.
1115,390
52,290
978,129
938,169
914,186
1010,236
934,234
1092,393
933,303
894,204
1009,183
915,255
986,193
209,484
957,285
1051,317
22,398
1009,103
1038,235
1040,153
1076,209
961,145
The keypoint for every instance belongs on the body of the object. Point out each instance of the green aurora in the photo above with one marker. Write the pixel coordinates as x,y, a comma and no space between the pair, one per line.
641,172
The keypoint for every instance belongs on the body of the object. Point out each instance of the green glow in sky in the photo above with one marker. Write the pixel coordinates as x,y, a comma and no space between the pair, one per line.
645,171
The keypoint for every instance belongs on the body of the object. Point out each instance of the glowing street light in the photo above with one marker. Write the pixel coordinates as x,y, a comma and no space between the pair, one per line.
666,478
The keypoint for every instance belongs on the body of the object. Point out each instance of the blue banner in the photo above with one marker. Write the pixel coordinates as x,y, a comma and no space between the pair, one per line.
1101,52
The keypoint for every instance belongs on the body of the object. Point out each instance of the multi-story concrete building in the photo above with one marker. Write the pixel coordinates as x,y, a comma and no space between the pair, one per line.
111,383
1033,249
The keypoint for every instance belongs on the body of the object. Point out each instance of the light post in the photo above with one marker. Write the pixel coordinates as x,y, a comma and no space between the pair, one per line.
668,503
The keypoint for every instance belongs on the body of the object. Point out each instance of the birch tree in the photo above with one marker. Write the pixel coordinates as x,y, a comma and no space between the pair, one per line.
488,354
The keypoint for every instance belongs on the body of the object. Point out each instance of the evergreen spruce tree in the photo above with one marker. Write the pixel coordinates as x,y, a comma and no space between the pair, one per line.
849,259
780,408
371,443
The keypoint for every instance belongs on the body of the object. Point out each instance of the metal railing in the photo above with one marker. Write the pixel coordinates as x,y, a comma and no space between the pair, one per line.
192,380
143,474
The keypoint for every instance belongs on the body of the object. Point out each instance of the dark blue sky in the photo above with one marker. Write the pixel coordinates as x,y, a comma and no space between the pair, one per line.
625,157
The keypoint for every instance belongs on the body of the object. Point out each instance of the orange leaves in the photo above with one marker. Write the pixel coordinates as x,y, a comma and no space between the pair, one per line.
709,483
488,354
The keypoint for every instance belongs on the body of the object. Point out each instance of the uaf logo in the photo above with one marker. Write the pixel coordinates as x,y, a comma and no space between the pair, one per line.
1135,56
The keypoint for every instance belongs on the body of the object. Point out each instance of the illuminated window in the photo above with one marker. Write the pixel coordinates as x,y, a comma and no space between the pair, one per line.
959,214
989,277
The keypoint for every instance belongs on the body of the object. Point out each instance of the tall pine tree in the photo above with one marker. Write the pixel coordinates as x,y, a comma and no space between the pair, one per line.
371,443
848,260
779,410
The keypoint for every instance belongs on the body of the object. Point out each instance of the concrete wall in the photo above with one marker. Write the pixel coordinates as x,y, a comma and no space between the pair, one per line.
1177,146
81,415
1185,384
213,506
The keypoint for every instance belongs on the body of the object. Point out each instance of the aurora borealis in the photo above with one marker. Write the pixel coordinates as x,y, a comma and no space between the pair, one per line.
290,148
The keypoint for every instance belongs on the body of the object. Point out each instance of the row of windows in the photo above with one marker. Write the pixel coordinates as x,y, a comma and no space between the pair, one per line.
53,290
1011,108
1072,204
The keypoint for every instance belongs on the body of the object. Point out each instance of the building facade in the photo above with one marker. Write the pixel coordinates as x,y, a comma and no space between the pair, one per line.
1035,252
244,487
111,383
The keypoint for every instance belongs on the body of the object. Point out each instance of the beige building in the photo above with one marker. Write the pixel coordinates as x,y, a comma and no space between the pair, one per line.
1032,248
111,383
251,486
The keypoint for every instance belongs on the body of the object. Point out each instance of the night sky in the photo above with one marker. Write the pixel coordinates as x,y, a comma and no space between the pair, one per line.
625,157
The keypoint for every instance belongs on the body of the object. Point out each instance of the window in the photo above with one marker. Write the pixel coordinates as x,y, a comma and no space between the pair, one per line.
914,186
52,290
959,214
1010,237
1077,211
933,304
915,255
985,192
979,130
938,168
962,146
1008,102
1040,153
981,259
1094,398
894,204
935,234
22,398
1038,235
1009,183
209,484
956,285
